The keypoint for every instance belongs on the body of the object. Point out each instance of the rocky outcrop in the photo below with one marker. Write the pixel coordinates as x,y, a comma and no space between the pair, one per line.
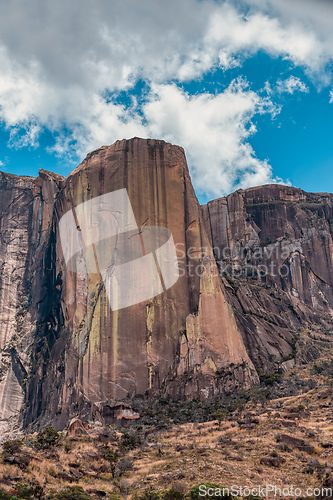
273,245
251,291
183,342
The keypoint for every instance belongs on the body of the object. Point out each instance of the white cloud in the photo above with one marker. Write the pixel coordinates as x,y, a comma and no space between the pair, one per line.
59,58
291,85
236,33
316,15
331,96
309,16
213,129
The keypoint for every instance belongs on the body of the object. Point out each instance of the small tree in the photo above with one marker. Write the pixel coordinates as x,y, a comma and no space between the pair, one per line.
24,490
12,447
219,417
112,457
130,440
4,495
47,438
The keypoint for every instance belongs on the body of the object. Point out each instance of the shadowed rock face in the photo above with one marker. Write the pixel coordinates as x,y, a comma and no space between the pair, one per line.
273,245
64,350
26,207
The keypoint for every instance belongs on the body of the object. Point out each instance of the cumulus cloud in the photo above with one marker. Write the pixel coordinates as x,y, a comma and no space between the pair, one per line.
213,129
235,33
291,85
314,17
59,59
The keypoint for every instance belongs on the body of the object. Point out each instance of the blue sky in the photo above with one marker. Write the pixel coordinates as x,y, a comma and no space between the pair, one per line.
244,86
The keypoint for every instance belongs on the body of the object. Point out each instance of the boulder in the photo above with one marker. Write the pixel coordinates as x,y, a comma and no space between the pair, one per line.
77,428
294,442
272,461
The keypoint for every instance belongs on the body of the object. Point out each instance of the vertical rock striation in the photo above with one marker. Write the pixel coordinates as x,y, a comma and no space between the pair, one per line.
26,207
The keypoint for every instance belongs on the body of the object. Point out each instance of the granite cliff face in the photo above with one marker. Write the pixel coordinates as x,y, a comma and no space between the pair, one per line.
273,245
255,273
26,207
77,350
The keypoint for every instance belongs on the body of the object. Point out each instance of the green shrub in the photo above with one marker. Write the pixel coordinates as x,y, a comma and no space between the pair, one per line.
172,494
129,441
39,491
12,447
219,417
112,457
4,495
25,490
71,493
150,495
272,378
47,438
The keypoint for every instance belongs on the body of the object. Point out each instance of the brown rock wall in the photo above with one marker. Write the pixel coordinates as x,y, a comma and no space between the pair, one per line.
274,247
175,342
26,207
64,350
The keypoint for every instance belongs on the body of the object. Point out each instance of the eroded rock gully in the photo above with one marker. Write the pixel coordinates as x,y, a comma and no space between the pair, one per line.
63,350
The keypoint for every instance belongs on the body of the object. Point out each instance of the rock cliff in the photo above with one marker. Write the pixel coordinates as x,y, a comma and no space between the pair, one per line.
252,292
273,246
78,350
26,207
